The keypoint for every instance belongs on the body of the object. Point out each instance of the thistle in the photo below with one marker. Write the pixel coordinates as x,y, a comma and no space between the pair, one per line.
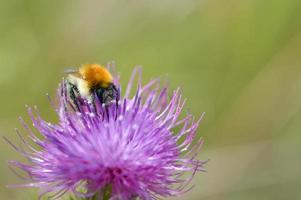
137,147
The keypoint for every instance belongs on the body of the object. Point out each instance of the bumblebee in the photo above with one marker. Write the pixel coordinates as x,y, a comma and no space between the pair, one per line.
90,81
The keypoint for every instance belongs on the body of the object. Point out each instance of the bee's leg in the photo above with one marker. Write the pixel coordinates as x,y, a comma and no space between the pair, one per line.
99,94
110,94
117,101
74,99
73,94
94,104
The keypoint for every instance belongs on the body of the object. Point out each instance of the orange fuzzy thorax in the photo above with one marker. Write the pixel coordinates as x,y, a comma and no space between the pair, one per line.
96,75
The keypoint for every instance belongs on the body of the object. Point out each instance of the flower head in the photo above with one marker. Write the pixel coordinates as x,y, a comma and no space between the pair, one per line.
138,146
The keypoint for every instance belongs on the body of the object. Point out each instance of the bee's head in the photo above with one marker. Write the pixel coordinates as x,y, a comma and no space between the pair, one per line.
96,75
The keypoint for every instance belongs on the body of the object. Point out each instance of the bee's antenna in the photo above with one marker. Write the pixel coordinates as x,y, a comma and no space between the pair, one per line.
70,70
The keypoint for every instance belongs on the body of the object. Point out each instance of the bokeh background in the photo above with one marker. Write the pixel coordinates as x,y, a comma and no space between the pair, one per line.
237,60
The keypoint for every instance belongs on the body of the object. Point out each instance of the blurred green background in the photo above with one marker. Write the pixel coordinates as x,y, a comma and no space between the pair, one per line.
237,60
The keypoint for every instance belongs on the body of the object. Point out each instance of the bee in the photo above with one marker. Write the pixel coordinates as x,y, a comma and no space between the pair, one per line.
90,81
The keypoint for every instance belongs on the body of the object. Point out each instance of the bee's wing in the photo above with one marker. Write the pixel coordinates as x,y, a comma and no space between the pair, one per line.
70,70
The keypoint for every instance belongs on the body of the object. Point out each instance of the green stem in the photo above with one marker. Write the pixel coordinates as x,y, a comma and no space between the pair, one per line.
107,192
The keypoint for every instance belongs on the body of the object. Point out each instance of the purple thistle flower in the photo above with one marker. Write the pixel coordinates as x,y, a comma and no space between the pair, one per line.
130,146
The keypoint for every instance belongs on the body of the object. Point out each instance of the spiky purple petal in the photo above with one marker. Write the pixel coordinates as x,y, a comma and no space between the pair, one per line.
130,145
